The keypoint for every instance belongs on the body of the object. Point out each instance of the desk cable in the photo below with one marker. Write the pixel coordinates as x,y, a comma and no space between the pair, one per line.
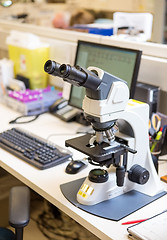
81,130
29,118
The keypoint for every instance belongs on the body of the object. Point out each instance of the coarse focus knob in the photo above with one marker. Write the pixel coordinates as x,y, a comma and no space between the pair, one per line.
138,174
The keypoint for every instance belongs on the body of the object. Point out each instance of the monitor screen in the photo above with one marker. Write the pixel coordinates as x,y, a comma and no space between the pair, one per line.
120,62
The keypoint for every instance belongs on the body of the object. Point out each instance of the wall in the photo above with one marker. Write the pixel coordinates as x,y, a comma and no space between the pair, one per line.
118,5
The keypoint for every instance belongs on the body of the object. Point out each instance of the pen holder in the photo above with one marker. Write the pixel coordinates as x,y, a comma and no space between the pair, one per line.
155,146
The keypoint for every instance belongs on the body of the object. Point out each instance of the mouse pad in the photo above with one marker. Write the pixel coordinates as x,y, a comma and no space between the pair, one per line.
113,209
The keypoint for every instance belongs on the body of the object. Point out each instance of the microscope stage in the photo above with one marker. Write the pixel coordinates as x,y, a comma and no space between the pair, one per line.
98,153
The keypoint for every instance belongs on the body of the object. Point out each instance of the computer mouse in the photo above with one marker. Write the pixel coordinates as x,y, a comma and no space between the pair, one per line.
75,166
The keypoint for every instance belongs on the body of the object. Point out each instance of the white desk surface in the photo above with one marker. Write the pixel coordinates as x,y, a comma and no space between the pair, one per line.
47,182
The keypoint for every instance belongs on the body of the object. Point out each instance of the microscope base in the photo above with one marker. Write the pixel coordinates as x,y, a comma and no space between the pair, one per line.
113,209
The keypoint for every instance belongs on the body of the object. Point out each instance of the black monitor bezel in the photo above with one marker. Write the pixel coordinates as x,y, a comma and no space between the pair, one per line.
136,68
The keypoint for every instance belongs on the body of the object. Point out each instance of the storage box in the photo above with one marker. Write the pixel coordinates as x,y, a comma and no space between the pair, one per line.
33,107
29,55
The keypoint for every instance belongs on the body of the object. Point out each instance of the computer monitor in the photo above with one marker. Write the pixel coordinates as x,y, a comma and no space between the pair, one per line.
120,62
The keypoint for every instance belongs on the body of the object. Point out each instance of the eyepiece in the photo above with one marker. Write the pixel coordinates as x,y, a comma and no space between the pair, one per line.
52,67
48,66
65,70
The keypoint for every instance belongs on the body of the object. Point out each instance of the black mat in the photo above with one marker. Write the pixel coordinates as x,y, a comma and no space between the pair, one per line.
115,208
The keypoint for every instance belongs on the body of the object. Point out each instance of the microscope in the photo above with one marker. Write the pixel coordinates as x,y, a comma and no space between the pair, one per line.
119,148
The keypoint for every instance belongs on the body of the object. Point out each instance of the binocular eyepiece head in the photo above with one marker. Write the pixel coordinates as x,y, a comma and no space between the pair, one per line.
74,75
61,70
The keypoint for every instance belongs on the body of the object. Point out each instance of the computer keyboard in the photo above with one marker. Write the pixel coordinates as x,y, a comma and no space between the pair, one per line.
33,149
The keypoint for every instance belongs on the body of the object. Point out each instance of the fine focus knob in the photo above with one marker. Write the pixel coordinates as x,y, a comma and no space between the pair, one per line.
138,174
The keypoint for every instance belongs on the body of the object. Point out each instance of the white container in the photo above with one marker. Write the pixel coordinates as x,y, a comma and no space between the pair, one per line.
6,71
29,55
